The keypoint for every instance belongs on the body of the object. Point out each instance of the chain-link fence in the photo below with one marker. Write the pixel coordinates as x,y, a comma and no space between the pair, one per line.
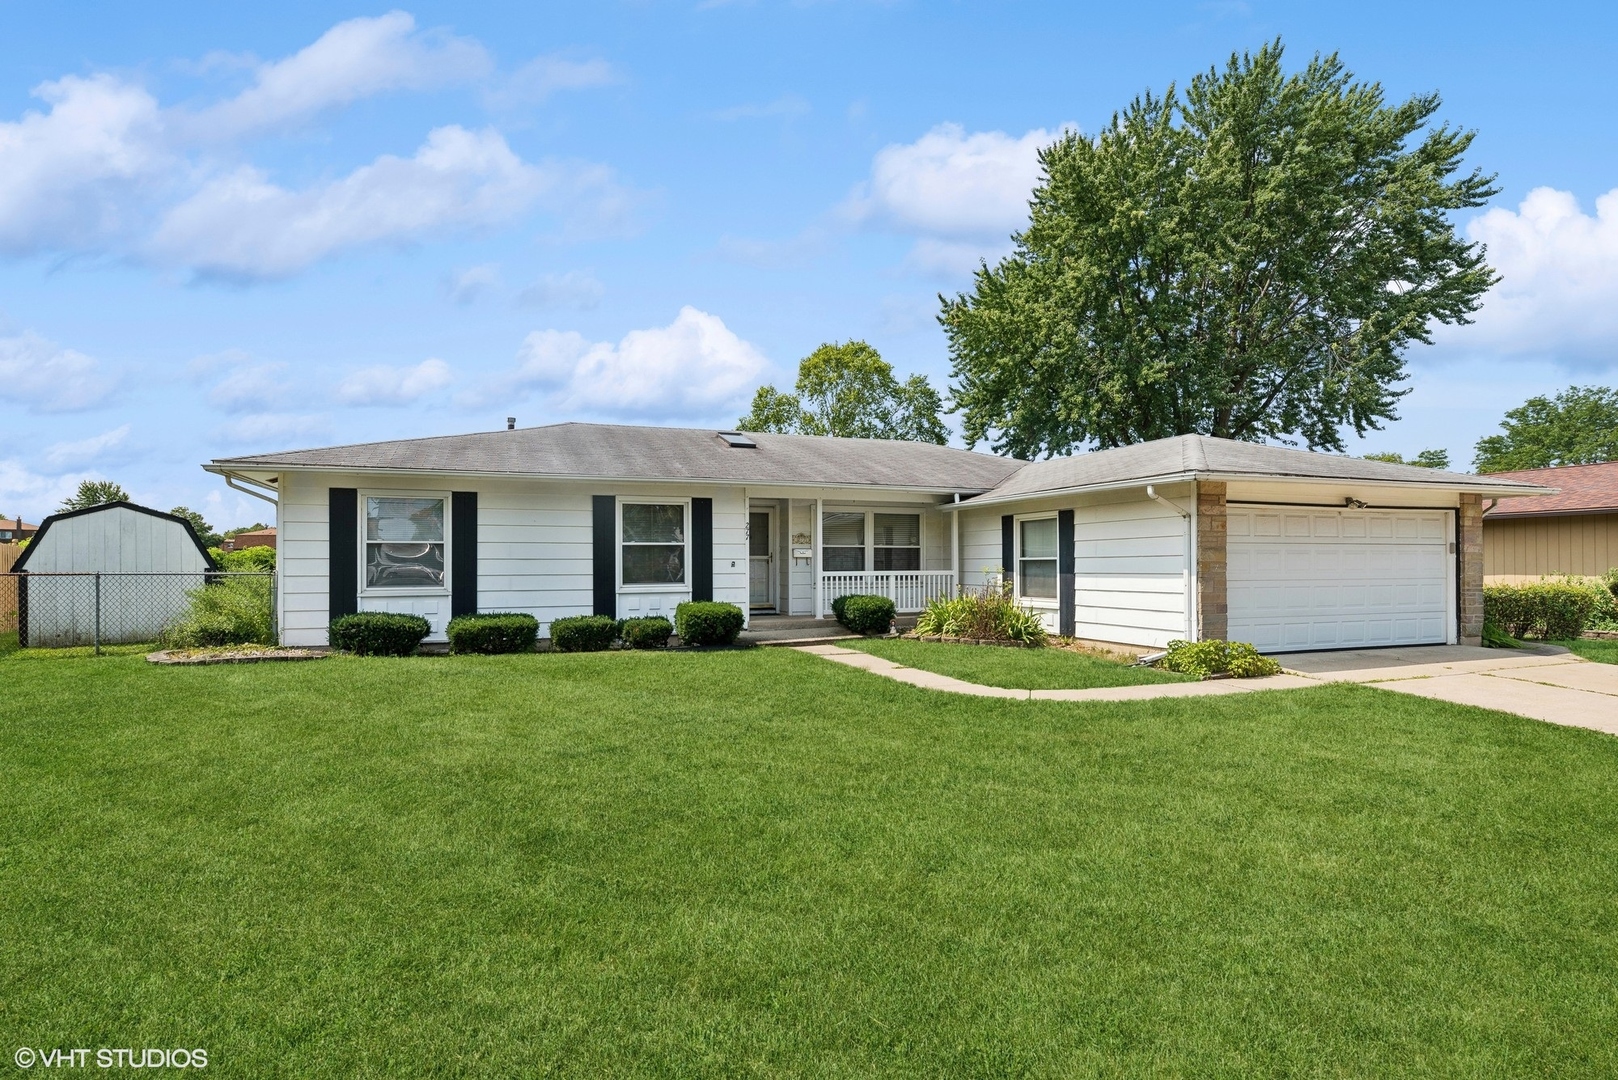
60,610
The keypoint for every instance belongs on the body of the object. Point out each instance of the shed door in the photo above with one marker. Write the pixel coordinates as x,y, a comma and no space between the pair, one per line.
1305,578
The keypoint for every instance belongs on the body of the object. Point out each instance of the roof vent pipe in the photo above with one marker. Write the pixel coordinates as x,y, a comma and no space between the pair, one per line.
511,423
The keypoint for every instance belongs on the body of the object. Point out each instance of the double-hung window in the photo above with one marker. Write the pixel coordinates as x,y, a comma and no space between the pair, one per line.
404,542
1036,559
896,542
842,542
654,543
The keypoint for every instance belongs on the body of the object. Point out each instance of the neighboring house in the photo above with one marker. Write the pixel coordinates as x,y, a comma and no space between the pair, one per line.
1191,537
12,532
148,561
1572,532
255,538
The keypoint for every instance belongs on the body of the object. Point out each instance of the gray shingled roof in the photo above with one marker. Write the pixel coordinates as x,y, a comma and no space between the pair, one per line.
1188,457
618,451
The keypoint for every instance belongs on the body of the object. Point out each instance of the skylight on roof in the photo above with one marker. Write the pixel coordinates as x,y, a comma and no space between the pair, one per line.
737,439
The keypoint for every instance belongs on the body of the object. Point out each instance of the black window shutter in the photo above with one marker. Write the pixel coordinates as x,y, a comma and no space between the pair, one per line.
463,542
343,553
1008,546
1065,615
604,565
702,549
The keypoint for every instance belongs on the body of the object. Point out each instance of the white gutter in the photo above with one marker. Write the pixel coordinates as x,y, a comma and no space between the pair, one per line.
230,482
1189,573
1240,478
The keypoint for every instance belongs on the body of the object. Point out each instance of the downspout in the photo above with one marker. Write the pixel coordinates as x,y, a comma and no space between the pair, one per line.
230,482
1190,562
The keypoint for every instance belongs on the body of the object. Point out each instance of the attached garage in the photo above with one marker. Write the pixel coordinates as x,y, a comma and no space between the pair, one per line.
1320,578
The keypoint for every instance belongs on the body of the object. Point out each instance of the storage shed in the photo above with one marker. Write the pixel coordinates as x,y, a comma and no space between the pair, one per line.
114,573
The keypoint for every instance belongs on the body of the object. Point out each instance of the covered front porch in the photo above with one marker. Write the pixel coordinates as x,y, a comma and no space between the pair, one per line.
805,553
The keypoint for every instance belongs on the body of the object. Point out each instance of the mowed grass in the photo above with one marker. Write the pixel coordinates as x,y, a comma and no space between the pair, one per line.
1601,650
1018,669
763,864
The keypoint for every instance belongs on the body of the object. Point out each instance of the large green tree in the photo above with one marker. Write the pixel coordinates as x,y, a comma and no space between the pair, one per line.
1249,260
846,389
93,493
199,524
1426,459
1576,427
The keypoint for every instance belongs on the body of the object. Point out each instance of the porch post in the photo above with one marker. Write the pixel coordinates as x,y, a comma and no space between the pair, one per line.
955,548
814,566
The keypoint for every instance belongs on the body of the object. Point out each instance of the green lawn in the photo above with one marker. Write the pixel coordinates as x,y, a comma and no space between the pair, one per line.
1019,669
1603,650
760,863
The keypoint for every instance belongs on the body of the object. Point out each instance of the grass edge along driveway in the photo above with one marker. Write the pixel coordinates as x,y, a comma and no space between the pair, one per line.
1016,669
760,863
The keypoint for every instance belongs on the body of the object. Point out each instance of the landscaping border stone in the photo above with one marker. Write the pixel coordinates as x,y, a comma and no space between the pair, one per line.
258,656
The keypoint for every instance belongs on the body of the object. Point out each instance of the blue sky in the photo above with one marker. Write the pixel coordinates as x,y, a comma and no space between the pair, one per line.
225,230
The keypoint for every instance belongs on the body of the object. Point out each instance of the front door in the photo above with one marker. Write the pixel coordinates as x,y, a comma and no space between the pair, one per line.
760,559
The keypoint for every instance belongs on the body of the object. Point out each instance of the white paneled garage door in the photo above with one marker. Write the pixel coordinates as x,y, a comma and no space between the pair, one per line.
1313,578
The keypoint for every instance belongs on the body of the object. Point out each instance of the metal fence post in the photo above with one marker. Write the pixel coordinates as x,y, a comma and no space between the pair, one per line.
98,613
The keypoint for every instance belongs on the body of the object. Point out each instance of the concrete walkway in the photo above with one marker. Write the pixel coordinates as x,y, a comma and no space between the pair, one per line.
928,680
1544,683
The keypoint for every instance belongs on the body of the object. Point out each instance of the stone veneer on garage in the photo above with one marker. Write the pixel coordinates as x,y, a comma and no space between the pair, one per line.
1213,608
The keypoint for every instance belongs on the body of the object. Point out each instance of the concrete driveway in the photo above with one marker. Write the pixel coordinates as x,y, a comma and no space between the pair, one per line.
1543,682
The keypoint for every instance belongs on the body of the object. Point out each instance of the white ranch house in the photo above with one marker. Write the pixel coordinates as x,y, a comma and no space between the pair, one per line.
1191,537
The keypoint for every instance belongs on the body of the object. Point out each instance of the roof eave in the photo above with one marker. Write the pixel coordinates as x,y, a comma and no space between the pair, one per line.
1486,490
221,468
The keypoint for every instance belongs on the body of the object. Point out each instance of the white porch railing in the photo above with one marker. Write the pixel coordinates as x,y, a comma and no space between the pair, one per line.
910,590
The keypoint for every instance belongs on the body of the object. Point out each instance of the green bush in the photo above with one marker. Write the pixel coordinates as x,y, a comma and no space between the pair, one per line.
706,622
864,614
1215,657
1496,638
493,632
378,633
228,611
1604,615
253,560
651,632
584,633
990,614
1550,610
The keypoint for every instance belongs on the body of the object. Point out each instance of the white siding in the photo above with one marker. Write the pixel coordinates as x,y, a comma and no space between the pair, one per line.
116,541
534,551
1129,566
1130,573
802,574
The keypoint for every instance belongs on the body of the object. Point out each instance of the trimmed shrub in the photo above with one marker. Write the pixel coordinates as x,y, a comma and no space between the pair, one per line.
707,622
378,633
251,560
1205,658
584,633
229,611
1549,610
651,632
990,614
492,633
864,614
1604,615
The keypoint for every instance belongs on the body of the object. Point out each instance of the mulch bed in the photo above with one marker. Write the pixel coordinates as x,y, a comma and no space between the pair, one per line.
232,656
970,641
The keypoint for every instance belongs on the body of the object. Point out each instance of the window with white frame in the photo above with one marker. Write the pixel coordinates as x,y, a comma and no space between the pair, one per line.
842,542
404,542
654,541
896,542
1036,558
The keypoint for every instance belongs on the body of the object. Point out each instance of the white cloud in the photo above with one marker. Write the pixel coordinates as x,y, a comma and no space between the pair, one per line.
383,385
64,454
574,289
952,184
253,388
44,376
243,226
74,177
274,427
544,75
353,60
1558,295
695,366
31,494
465,286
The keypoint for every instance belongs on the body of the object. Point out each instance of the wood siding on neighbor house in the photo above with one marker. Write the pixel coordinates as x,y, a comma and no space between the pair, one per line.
1529,548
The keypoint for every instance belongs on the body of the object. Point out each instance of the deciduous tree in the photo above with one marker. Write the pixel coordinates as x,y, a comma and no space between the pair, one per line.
1249,260
93,493
847,390
1576,427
